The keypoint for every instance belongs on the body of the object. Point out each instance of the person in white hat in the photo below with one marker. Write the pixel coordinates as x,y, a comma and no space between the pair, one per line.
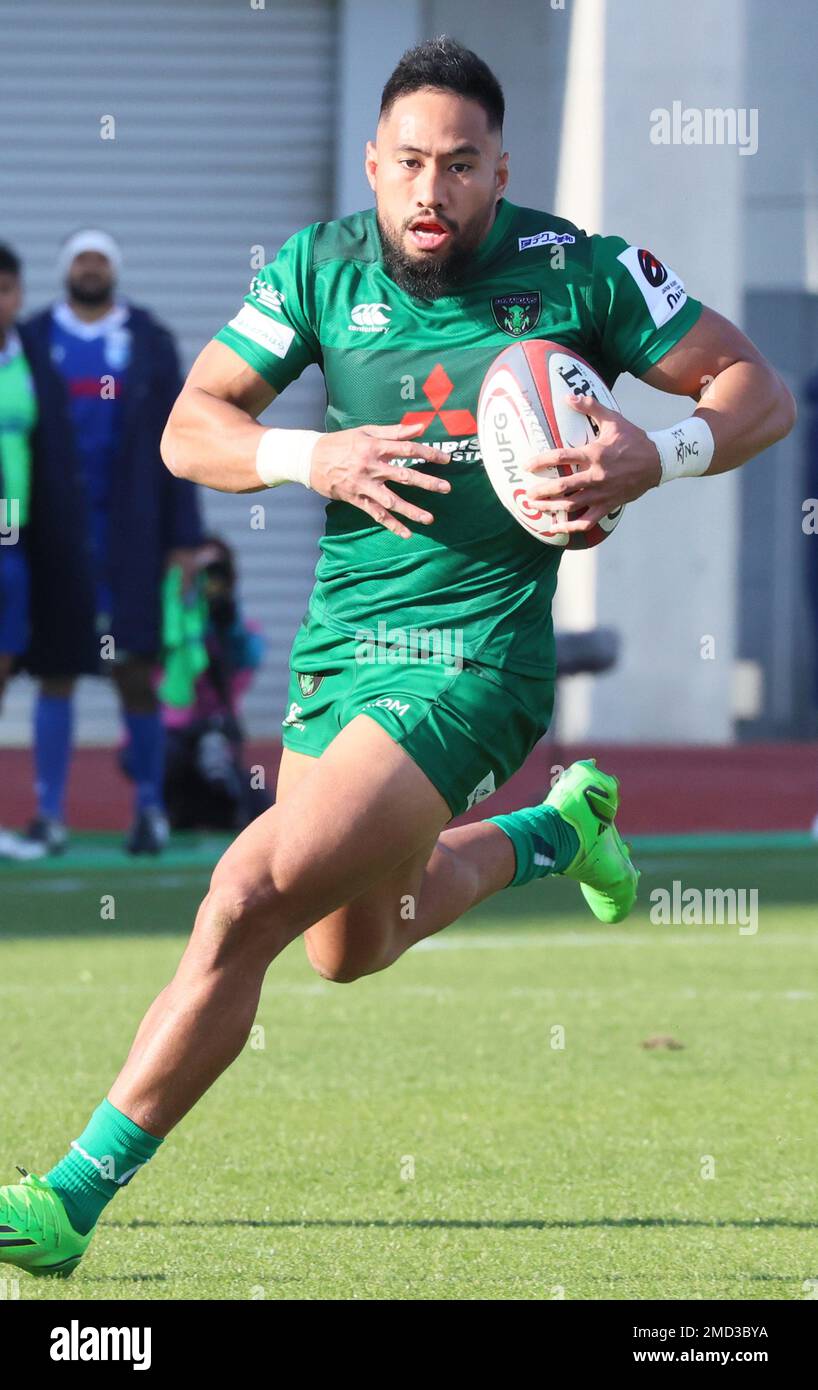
105,524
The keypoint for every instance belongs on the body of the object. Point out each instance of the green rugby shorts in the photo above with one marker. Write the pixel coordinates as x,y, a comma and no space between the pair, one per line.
469,727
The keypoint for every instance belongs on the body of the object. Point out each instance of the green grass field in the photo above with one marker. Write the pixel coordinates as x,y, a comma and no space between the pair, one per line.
418,1135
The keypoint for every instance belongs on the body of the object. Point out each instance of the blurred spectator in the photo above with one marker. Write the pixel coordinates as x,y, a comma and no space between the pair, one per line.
18,412
811,436
211,653
17,420
106,519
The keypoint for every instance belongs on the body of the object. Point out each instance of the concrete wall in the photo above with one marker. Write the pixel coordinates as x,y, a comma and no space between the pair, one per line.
372,37
668,577
780,193
780,217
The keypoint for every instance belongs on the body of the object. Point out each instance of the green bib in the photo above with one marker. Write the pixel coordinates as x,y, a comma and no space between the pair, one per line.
18,416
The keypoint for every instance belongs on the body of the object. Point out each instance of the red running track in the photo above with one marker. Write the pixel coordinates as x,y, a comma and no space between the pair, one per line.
665,790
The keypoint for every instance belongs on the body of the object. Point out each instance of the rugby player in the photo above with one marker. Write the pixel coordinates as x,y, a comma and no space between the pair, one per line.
404,307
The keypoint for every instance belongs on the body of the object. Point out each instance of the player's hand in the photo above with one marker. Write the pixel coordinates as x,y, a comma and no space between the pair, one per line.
356,466
619,465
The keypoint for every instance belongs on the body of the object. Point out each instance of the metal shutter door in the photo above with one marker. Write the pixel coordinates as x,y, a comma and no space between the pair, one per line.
224,121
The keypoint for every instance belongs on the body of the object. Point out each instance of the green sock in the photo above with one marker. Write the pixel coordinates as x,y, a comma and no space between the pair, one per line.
544,843
106,1156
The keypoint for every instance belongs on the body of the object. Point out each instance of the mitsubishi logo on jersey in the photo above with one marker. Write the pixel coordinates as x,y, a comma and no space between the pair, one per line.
437,389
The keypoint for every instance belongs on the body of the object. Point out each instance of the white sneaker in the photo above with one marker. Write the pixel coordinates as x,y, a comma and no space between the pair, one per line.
14,847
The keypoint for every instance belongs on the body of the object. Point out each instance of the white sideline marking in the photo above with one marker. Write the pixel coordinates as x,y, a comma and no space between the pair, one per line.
133,884
676,936
444,993
715,991
51,885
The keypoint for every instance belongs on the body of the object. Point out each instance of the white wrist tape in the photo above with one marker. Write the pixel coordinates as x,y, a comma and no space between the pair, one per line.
284,456
685,450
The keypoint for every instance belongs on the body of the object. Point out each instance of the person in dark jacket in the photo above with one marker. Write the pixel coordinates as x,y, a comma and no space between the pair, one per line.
106,521
810,527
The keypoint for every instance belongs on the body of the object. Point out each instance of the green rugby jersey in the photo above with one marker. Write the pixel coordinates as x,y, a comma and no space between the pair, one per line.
389,358
18,416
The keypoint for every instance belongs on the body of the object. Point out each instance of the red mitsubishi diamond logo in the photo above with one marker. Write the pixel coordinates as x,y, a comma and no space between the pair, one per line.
437,388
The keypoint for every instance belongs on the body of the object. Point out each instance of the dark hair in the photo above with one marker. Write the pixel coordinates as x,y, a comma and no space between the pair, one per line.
10,263
445,64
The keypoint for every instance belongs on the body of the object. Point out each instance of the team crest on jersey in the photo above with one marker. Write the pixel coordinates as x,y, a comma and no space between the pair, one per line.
517,313
308,682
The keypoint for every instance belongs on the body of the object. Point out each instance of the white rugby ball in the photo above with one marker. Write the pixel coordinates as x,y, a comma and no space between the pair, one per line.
521,411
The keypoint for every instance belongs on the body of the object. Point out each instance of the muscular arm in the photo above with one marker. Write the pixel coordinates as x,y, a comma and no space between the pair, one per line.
212,435
742,398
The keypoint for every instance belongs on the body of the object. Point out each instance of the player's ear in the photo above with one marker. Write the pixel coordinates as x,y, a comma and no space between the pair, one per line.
502,173
371,163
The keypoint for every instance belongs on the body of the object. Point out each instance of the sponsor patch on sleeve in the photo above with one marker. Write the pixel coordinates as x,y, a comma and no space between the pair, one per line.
263,331
661,288
524,243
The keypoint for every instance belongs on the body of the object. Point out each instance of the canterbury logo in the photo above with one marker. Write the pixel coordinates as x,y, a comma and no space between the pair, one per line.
370,315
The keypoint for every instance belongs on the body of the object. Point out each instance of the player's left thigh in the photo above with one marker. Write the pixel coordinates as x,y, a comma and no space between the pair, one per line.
358,937
335,834
292,770
468,729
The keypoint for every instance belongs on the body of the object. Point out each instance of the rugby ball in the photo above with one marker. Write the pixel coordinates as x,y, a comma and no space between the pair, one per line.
521,411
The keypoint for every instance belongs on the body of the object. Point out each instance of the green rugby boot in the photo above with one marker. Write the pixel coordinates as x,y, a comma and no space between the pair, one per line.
35,1233
589,800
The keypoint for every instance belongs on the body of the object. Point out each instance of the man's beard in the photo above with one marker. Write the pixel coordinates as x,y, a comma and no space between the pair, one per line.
429,277
93,294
